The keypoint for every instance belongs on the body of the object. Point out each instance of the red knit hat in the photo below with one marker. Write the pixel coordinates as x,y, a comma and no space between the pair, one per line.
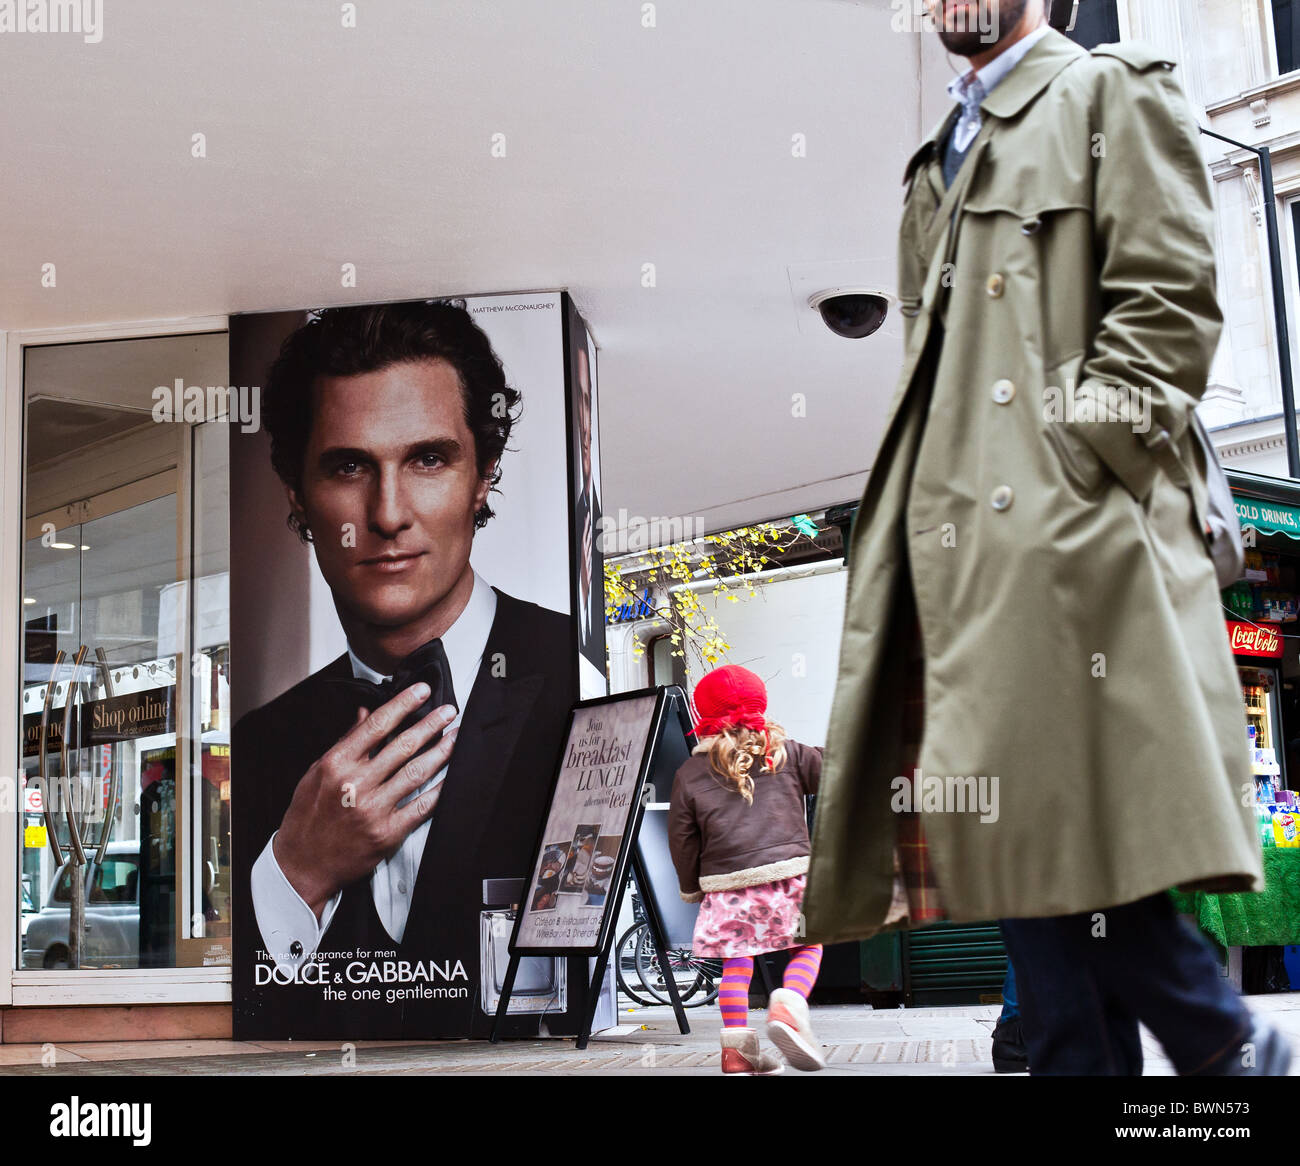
728,696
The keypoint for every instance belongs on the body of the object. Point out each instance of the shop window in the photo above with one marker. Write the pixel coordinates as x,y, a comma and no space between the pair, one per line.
125,691
665,668
1286,34
1097,23
1262,615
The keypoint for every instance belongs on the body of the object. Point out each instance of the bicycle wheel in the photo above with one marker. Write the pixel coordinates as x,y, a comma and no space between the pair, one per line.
710,979
625,966
684,968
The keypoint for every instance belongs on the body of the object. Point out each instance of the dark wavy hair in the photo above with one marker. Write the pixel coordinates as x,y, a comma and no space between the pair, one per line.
340,342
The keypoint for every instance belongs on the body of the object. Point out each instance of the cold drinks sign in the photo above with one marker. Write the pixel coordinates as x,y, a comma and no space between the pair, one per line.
1248,639
1269,517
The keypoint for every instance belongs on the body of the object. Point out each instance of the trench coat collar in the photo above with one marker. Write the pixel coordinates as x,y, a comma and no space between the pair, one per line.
1032,75
1017,89
927,147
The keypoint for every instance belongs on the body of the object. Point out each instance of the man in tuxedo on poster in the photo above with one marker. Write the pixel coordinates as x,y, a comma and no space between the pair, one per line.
377,795
591,583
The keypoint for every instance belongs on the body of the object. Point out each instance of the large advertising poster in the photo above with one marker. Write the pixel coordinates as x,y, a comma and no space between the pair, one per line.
403,647
589,560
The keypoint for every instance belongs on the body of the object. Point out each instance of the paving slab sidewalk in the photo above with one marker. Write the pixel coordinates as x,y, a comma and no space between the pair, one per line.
858,1042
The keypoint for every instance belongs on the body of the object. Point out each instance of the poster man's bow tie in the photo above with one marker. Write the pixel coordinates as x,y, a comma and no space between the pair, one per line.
428,663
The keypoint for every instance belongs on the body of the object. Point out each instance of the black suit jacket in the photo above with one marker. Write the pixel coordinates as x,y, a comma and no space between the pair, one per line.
484,826
593,647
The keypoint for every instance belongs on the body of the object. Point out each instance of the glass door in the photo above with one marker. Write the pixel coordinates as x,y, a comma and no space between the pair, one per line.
124,835
99,703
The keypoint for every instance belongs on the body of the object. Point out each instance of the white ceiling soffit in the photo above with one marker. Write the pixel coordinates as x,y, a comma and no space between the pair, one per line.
736,145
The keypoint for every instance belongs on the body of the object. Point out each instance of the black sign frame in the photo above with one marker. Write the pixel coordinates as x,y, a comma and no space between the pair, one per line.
671,708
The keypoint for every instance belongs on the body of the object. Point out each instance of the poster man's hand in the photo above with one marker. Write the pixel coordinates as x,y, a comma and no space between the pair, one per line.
344,818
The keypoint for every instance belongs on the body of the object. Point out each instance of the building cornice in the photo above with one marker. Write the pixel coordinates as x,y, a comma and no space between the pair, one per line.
1263,419
1235,160
1287,83
1252,448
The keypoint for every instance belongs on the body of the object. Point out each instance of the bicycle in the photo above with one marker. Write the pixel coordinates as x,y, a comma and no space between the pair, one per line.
697,979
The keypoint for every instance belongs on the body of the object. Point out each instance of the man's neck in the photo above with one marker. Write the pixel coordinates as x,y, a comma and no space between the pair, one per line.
1021,30
384,648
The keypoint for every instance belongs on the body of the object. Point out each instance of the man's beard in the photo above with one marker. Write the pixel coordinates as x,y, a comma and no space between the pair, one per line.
995,21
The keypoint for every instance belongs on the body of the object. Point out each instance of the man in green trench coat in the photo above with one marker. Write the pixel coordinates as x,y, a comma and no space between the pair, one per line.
1037,717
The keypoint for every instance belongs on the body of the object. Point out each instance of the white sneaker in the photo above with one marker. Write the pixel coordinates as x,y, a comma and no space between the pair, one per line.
790,1029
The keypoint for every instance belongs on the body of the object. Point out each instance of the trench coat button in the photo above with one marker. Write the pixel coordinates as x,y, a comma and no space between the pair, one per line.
1003,391
1002,498
995,285
1031,226
295,949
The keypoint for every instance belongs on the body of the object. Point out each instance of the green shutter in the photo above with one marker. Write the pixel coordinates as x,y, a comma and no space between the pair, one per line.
953,963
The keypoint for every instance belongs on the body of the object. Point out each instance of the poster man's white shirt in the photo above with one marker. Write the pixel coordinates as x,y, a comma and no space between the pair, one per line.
283,918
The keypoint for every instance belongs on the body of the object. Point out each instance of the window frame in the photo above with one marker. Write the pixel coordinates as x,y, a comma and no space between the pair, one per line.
20,987
1274,57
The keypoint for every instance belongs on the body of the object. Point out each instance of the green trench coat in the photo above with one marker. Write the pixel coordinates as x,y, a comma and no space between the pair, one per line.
1073,642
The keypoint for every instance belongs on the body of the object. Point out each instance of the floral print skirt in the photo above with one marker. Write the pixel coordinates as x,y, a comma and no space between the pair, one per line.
750,920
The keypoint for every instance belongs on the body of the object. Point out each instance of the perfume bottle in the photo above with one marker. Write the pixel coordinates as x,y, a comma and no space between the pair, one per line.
540,982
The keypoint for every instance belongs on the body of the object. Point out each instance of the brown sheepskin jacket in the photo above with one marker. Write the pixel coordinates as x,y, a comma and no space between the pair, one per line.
720,843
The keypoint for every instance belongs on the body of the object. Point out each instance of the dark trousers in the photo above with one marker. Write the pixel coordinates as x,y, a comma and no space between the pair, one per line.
1010,1002
1085,981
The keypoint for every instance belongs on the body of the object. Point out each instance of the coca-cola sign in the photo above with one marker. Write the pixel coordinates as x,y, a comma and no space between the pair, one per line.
1248,639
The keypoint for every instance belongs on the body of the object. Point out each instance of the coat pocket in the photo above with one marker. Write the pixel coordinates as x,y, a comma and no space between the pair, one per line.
1085,472
1080,465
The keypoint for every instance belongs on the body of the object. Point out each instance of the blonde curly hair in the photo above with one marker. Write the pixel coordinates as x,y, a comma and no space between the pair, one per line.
732,753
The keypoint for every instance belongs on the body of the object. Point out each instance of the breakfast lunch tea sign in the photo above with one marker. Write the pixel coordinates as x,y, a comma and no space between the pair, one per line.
597,794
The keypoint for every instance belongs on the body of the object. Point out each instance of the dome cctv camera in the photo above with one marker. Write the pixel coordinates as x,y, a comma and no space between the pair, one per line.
852,312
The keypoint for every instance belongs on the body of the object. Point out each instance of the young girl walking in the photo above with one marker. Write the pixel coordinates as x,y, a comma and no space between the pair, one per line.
739,838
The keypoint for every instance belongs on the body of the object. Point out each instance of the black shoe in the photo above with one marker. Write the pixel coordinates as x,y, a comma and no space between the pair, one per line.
1009,1052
